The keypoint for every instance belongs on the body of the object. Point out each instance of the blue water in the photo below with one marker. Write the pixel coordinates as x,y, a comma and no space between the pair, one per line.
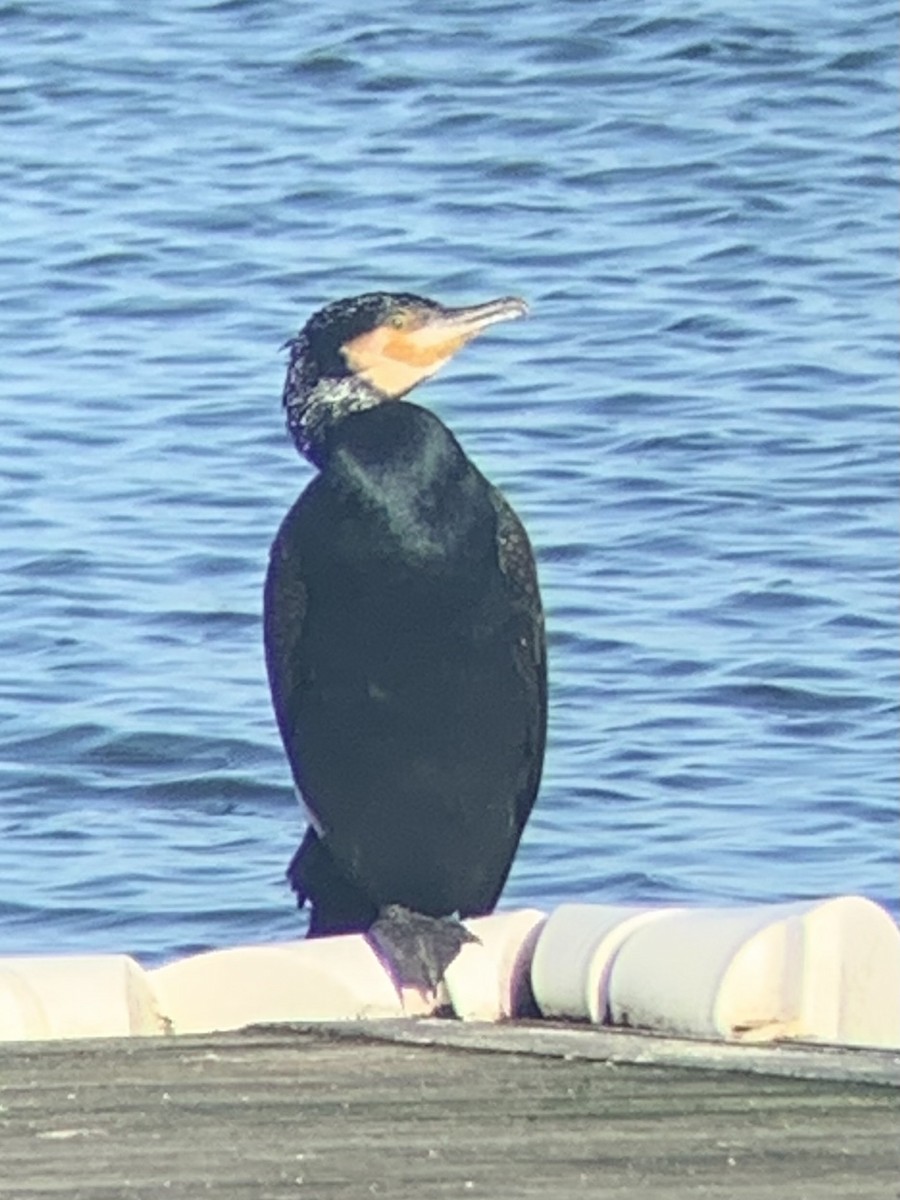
698,424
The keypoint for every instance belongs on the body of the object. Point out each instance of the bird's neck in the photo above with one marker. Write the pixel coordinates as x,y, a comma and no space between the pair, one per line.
314,410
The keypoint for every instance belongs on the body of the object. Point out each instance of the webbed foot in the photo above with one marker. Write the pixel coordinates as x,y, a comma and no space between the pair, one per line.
415,948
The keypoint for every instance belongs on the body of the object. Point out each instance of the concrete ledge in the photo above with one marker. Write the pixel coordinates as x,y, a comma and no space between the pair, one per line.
541,1039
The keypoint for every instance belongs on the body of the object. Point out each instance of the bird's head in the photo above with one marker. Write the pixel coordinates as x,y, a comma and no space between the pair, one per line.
358,352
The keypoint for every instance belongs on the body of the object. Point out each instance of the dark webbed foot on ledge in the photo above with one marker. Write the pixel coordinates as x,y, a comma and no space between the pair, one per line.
417,949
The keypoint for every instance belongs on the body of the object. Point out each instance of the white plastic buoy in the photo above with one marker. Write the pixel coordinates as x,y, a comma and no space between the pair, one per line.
823,970
488,979
97,995
574,953
333,978
851,974
21,1016
826,970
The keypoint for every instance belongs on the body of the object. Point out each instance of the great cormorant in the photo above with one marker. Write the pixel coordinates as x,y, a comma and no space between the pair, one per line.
404,639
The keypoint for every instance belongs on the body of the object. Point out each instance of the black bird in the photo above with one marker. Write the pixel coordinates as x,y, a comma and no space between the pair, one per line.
404,639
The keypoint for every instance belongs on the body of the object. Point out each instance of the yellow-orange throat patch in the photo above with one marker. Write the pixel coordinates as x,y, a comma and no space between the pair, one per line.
395,360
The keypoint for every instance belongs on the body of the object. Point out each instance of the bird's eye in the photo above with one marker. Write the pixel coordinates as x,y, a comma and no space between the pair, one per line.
398,320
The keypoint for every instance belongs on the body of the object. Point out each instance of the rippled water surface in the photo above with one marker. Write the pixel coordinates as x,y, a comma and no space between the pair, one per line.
698,424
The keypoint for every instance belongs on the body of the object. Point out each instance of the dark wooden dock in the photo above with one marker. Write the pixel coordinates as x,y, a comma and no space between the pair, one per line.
358,1113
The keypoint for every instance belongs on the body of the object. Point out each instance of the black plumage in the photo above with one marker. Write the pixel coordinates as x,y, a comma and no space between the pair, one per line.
403,631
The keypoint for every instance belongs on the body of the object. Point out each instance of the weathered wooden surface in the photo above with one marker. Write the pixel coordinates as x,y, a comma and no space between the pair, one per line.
278,1114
